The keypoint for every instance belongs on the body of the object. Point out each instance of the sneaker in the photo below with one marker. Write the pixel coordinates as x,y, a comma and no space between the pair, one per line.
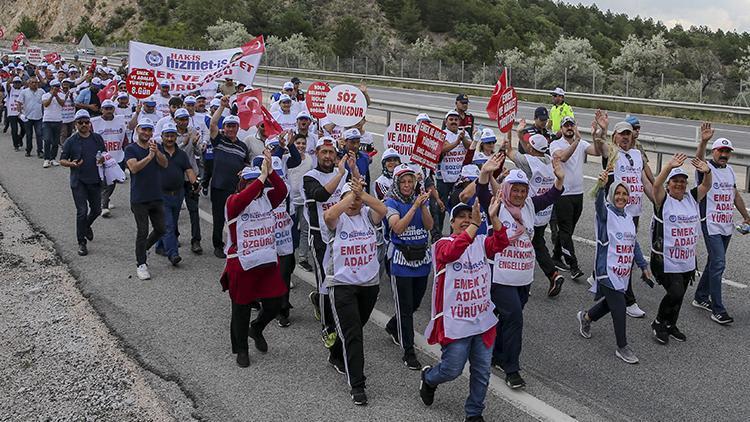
329,339
590,280
82,249
46,164
359,397
584,325
219,253
143,273
291,284
497,364
514,381
560,265
675,333
411,362
260,341
722,318
28,154
55,163
660,332
634,311
306,266
627,355
195,247
314,299
575,273
426,391
204,191
477,418
243,359
283,321
555,284
174,260
89,234
337,364
394,336
105,212
702,304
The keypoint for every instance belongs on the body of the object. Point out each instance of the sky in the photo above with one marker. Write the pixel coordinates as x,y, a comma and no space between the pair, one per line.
727,15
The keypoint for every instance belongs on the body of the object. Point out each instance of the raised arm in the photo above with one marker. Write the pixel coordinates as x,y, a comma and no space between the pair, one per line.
214,126
707,132
661,178
705,185
399,224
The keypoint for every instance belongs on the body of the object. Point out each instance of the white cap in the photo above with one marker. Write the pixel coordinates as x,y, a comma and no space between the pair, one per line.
352,133
189,100
325,140
82,114
539,143
96,81
390,153
108,103
622,127
402,169
284,98
164,82
488,135
104,58
677,171
558,91
272,142
218,95
304,115
150,100
180,113
54,82
452,113
123,95
458,208
470,172
288,85
231,119
51,68
277,165
120,81
722,143
146,123
72,69
215,103
517,176
250,172
169,127
423,117
366,140
17,79
480,157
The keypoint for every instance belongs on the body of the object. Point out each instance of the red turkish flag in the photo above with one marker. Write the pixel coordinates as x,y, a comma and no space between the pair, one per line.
500,86
18,41
52,57
108,91
271,127
249,108
254,46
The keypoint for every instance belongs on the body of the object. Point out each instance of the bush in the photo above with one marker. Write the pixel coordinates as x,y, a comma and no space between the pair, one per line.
29,27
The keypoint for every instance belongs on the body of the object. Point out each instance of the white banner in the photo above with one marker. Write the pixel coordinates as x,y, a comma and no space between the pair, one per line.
188,70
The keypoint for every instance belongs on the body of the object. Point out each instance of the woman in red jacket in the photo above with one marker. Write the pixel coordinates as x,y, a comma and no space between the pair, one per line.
252,273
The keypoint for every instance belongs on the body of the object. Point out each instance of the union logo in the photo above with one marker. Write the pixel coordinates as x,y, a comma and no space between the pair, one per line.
154,58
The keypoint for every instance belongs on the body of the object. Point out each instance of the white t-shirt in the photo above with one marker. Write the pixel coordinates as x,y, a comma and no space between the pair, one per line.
287,121
162,106
573,182
69,110
53,112
113,132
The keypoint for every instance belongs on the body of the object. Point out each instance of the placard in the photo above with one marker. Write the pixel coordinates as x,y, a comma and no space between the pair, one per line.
401,136
34,55
429,145
141,83
315,99
345,105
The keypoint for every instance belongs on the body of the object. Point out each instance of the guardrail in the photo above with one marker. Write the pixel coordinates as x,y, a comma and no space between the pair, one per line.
717,108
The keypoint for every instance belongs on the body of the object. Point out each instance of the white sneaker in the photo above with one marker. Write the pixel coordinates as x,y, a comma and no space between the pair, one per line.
143,273
55,163
46,164
590,280
105,212
634,311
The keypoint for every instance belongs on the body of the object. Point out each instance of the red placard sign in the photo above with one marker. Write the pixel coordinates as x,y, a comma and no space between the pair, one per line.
315,99
141,83
429,145
507,109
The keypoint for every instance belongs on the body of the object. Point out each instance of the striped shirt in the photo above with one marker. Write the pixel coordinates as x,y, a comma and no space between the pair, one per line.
229,159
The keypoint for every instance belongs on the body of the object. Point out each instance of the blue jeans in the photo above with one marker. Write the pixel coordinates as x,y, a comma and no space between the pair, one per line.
34,126
451,366
51,131
710,282
172,205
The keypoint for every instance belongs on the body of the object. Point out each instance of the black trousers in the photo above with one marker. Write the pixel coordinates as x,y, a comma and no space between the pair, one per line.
32,127
408,292
675,284
208,171
86,197
17,131
218,201
612,302
240,325
191,203
286,265
143,212
509,303
542,253
352,306
567,210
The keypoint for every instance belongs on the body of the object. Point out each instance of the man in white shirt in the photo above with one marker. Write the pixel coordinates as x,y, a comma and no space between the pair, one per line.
68,110
30,103
162,100
53,103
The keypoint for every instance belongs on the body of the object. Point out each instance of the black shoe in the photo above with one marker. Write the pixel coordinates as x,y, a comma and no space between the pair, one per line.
306,266
555,284
514,381
39,155
722,318
675,333
560,265
661,334
82,249
575,273
359,397
160,251
260,341
497,364
219,253
393,335
411,362
28,154
174,260
337,364
426,391
283,321
195,247
477,418
315,301
243,359
89,234
16,148
204,191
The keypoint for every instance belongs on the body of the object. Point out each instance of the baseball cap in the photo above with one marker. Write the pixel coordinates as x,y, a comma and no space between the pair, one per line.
17,79
231,120
284,98
54,82
189,100
488,136
121,82
541,113
558,91
146,124
722,143
215,103
462,98
539,143
250,172
390,153
452,113
150,101
82,114
199,96
566,120
108,103
480,158
325,140
633,121
288,85
295,80
470,172
181,113
352,133
96,81
169,127
66,80
458,208
272,142
164,82
122,95
218,95
678,171
51,68
517,176
304,115
401,170
423,117
104,58
622,127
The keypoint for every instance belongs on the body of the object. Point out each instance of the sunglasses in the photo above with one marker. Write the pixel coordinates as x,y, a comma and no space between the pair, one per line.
630,159
83,122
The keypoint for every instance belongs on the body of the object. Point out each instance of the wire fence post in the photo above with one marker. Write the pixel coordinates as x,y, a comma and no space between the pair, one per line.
338,69
484,69
419,69
366,64
534,77
402,67
627,84
462,71
700,90
352,64
383,66
510,76
440,69
565,82
593,81
662,82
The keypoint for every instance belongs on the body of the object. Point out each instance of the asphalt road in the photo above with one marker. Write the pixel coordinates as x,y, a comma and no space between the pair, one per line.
176,326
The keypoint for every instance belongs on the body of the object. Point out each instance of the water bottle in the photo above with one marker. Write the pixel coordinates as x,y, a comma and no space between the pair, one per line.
743,228
98,156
